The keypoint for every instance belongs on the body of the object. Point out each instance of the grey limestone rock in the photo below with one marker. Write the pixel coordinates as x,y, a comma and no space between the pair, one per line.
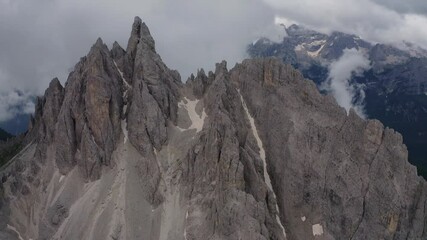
89,120
346,174
127,151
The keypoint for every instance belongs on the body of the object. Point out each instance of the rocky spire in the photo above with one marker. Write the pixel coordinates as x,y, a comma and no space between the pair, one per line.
154,87
134,38
254,152
89,121
117,52
46,112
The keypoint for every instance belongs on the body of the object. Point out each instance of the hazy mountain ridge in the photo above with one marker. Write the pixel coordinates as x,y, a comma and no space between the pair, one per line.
126,151
17,125
4,135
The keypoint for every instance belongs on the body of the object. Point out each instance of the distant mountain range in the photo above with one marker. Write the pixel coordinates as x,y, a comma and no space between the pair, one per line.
4,135
17,125
394,88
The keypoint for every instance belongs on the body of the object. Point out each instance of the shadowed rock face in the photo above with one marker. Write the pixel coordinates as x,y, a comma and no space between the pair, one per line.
126,151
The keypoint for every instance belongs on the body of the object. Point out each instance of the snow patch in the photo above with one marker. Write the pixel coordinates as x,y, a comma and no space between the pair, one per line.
303,218
125,94
262,155
299,47
317,43
317,230
185,228
125,131
255,42
14,230
258,140
61,178
305,46
316,53
197,120
125,107
121,75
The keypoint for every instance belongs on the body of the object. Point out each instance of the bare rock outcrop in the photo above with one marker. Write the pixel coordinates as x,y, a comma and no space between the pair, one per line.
127,151
88,125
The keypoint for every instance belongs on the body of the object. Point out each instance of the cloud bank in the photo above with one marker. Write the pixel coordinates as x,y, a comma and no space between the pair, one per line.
348,95
13,103
385,21
43,39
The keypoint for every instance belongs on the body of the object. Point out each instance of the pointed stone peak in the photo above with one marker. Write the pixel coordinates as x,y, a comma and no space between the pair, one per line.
145,30
55,84
55,90
137,20
47,108
201,73
116,45
117,52
99,42
98,46
147,38
140,33
139,28
55,87
136,27
221,68
98,50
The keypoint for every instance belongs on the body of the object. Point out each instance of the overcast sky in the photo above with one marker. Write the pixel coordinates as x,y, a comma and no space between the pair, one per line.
42,39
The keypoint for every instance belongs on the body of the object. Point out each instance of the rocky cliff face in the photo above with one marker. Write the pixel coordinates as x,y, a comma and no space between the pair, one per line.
126,151
394,86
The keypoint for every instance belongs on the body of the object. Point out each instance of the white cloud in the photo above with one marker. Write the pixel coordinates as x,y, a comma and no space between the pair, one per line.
368,19
348,95
40,40
14,102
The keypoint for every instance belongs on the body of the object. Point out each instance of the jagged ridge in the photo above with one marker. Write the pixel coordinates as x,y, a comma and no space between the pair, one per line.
126,151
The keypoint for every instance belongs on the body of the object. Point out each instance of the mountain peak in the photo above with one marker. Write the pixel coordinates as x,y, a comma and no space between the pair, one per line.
116,44
126,151
137,20
221,67
140,32
136,27
55,84
99,42
97,47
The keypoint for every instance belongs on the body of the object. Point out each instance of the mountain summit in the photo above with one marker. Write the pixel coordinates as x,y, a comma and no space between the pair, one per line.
127,151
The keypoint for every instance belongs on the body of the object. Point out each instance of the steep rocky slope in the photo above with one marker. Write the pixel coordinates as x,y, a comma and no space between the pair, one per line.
393,89
126,151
